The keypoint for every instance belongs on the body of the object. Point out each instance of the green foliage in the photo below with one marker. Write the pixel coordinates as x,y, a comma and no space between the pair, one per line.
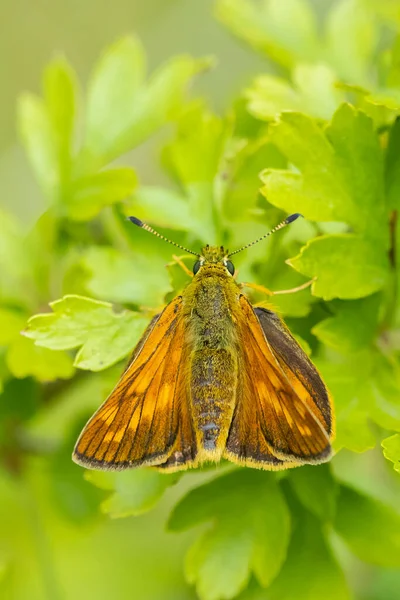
134,492
320,135
103,335
364,274
250,532
391,450
379,542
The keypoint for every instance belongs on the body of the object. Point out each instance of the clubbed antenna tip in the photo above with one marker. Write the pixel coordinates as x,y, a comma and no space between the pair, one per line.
292,218
136,221
287,221
146,227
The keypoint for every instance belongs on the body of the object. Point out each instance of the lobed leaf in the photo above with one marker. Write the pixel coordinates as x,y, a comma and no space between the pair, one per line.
194,158
352,39
316,489
353,325
311,571
103,336
123,109
240,542
122,278
161,206
339,171
312,91
24,359
266,27
60,97
345,376
88,195
36,134
391,450
46,127
345,266
135,491
370,528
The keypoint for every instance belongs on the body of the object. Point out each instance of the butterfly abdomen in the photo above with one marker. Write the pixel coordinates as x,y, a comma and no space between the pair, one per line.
213,365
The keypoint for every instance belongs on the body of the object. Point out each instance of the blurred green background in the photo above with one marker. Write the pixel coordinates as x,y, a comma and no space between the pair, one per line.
186,154
80,31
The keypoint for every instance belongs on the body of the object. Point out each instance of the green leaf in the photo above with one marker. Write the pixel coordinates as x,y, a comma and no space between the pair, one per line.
345,266
393,166
387,10
240,541
340,171
383,391
11,325
123,278
13,261
60,95
370,528
75,499
104,336
313,91
36,135
352,327
345,376
381,97
266,27
25,359
122,109
113,89
310,572
134,491
46,127
316,489
88,195
193,158
52,424
352,37
391,450
162,207
366,387
239,178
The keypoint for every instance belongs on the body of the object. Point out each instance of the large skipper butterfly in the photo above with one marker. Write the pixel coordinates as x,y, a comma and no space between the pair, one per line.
212,377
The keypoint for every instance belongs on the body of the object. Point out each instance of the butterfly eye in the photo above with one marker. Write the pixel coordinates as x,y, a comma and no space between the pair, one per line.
196,267
229,265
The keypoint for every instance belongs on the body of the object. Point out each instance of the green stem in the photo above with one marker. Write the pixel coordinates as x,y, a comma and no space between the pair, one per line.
393,284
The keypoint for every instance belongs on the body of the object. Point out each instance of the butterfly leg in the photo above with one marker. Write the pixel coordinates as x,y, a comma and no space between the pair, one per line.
258,288
264,290
182,265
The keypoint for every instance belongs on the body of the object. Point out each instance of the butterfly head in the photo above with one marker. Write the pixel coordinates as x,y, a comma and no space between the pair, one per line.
215,256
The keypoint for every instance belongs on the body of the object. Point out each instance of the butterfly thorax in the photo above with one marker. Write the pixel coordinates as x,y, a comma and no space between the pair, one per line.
210,301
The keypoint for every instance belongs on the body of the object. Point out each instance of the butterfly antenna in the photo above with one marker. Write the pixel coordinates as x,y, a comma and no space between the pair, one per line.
287,221
140,223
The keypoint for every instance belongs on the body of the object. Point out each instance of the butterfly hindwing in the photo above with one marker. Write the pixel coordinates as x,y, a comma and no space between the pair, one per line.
146,419
283,415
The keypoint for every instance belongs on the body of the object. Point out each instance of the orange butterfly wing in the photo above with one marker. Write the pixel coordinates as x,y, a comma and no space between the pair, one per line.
283,414
146,419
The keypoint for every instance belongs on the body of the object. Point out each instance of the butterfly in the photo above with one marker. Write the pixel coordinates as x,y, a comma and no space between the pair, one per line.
212,378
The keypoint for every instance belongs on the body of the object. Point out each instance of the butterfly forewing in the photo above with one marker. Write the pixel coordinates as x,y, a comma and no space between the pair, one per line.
145,419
